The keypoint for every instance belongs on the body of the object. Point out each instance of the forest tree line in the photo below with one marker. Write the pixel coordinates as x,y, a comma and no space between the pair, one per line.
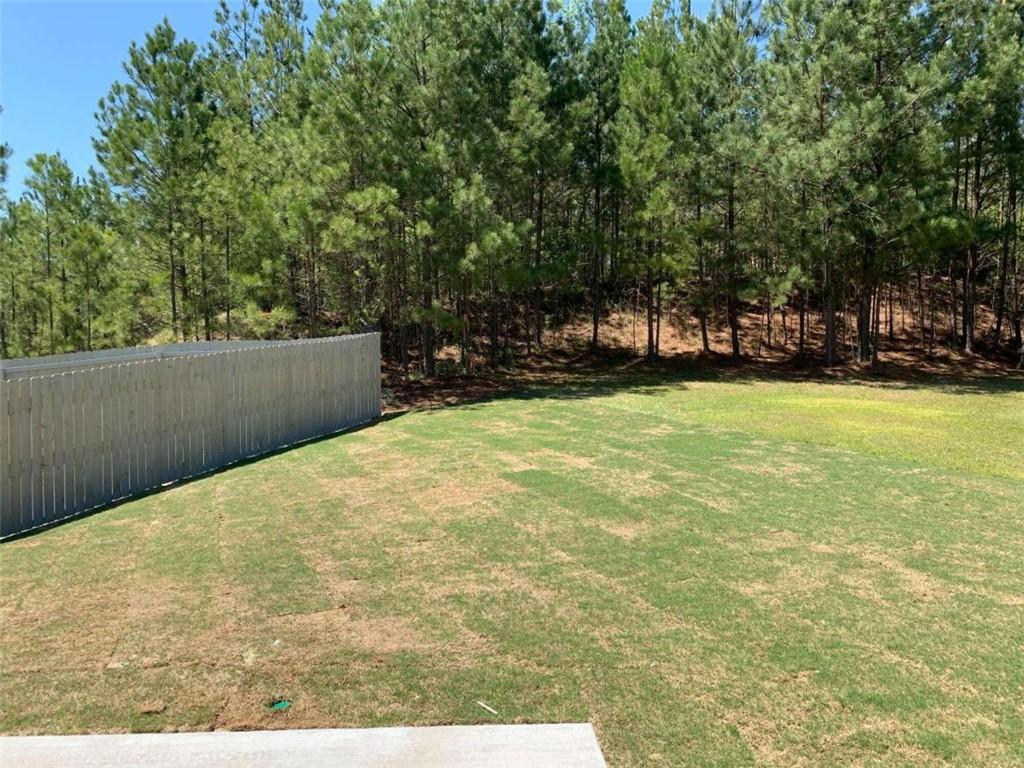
472,172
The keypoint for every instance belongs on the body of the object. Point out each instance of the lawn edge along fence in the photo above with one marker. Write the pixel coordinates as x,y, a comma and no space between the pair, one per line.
113,425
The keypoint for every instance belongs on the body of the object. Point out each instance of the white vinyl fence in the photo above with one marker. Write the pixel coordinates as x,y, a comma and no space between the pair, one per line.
114,424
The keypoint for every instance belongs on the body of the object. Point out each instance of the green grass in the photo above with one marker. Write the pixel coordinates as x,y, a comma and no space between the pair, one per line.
712,571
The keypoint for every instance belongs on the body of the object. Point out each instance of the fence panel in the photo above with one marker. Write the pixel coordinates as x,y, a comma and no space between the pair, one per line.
98,427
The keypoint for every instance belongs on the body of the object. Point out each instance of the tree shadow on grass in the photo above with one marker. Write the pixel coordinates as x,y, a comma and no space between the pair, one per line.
608,374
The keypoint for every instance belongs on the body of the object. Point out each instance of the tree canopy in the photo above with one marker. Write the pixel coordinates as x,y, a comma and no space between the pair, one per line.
469,173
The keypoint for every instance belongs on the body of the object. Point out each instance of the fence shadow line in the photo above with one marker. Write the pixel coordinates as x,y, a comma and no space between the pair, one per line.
107,507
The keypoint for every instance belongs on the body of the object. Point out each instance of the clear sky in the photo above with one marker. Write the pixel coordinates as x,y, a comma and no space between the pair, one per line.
58,57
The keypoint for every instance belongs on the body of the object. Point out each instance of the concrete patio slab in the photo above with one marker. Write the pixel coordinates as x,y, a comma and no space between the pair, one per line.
568,745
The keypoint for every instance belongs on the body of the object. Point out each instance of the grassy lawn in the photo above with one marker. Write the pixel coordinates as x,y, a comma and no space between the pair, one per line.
712,571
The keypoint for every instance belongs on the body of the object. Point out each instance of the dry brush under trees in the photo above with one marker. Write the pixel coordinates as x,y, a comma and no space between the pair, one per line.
470,173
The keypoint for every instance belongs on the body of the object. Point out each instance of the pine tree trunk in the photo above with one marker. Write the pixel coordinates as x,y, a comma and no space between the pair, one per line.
493,319
1004,259
173,268
227,277
830,316
877,323
732,307
4,349
954,312
803,322
920,308
970,274
657,325
969,298
595,288
427,335
864,301
49,277
184,313
651,353
703,311
64,305
464,340
312,296
538,253
931,319
426,322
636,311
705,345
204,283
890,312
734,326
88,308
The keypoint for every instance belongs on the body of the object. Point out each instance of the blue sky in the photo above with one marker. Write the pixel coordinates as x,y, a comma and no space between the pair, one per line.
58,57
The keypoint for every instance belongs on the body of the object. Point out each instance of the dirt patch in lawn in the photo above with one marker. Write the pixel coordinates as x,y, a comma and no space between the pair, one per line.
625,529
790,582
776,540
723,504
778,713
661,430
246,710
515,462
629,484
388,469
331,575
546,455
464,493
341,628
100,618
920,585
781,470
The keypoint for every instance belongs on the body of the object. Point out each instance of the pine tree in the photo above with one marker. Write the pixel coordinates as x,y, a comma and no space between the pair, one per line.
650,145
602,67
463,174
154,144
729,55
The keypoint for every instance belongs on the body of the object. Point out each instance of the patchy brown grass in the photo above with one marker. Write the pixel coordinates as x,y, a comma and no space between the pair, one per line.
626,530
636,554
782,470
919,584
464,493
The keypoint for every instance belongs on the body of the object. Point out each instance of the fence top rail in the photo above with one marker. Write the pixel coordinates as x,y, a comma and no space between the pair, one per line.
49,365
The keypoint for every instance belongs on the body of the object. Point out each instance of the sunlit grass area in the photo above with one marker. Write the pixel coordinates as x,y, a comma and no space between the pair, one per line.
712,571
